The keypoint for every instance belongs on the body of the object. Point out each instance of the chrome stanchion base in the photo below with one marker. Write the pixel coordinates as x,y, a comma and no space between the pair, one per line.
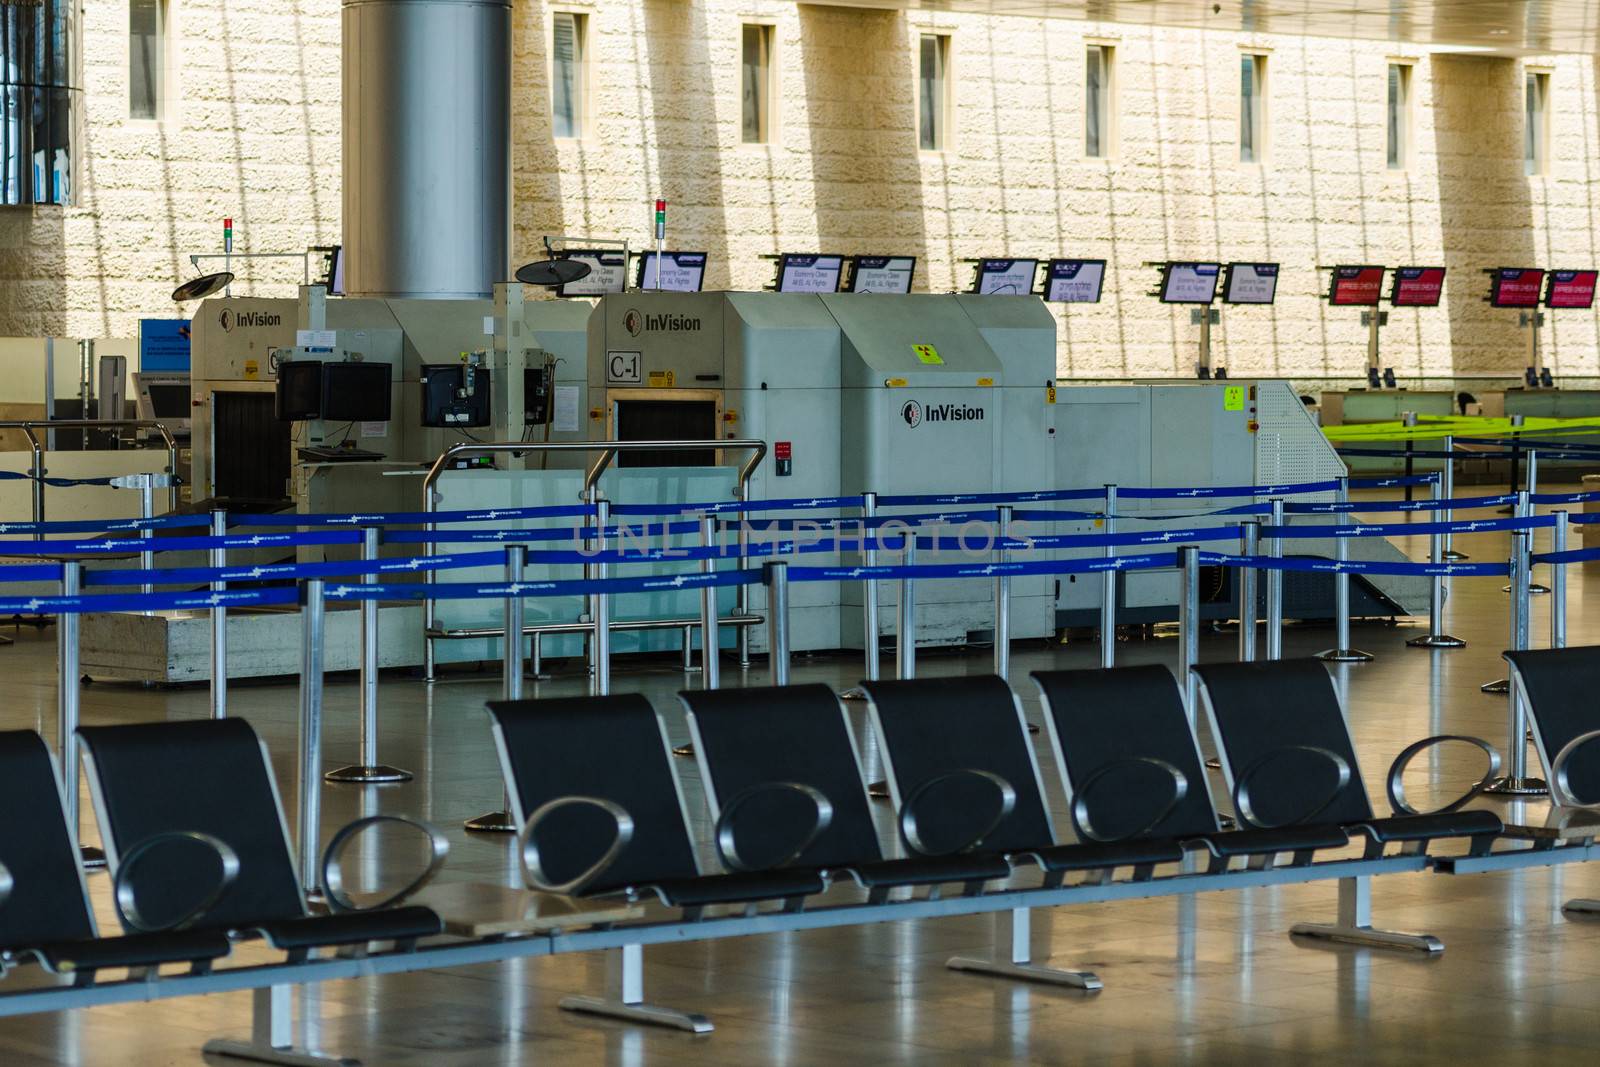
94,859
1536,589
1345,655
1518,787
1436,641
377,775
1503,685
494,822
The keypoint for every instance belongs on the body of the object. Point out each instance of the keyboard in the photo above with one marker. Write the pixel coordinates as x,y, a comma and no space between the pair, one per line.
319,454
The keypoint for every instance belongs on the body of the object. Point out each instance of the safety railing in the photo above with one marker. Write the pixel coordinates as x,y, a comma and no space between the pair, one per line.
37,472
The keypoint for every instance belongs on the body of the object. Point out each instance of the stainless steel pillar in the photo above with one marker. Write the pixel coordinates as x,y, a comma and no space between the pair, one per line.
503,821
313,619
1436,637
1002,599
1341,652
219,624
1275,590
778,620
1108,589
367,770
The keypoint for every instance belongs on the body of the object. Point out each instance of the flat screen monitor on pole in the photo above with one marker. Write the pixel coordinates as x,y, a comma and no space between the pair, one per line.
1516,287
1356,286
1571,289
608,272
1074,281
685,272
882,274
1251,283
1417,287
1189,283
298,395
1006,277
809,274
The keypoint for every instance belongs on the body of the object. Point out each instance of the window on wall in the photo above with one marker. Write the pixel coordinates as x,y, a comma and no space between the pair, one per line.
147,57
757,84
1252,108
569,48
933,96
1098,87
1399,125
1536,122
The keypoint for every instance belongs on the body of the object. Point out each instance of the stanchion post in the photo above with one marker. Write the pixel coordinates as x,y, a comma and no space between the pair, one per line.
905,638
503,821
600,607
1249,541
1529,508
313,620
147,510
67,628
710,631
219,623
1108,589
1448,479
1516,781
869,587
777,579
1188,624
367,770
1558,583
1275,589
1436,637
1002,597
1342,652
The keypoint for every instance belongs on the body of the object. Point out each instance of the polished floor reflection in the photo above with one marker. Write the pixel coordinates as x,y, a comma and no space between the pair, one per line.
1211,979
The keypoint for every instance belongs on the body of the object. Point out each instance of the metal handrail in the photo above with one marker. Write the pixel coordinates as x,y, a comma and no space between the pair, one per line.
606,452
28,426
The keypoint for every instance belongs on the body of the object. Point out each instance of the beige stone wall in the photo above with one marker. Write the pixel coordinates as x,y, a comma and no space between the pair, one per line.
256,136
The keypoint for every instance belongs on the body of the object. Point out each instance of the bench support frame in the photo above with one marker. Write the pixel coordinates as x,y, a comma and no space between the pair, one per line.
1016,926
1355,923
625,996
272,1035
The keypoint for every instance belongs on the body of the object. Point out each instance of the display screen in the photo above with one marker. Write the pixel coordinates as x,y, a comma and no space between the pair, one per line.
685,272
1357,286
1251,283
355,392
809,274
1189,283
882,274
608,273
1571,289
1516,287
1417,287
169,401
299,392
1006,277
1074,281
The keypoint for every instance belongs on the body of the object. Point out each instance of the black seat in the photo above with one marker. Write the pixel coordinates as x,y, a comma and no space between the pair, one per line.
753,745
47,916
1133,771
213,777
593,775
962,772
1559,685
1291,761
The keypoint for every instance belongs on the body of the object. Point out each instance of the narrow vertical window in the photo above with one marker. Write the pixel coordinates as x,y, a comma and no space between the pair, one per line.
757,84
568,54
1536,122
1252,108
933,98
1098,89
1399,125
146,57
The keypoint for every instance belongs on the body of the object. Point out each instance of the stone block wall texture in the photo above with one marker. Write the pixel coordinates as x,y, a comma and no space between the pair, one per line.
253,132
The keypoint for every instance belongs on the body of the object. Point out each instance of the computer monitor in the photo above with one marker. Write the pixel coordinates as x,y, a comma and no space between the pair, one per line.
882,274
1571,289
299,393
1189,283
456,396
1356,286
1251,283
1516,287
1417,287
1074,281
356,392
608,272
685,272
1006,277
809,274
163,398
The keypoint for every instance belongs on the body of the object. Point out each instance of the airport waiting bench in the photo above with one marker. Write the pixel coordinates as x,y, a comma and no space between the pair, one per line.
606,842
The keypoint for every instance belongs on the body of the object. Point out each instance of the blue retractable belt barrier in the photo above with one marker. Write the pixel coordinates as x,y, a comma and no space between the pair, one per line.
77,605
991,498
1409,529
293,571
1356,566
1576,555
1393,483
1583,518
30,572
1456,504
1155,561
574,587
413,518
726,506
133,546
1296,489
1564,498
160,522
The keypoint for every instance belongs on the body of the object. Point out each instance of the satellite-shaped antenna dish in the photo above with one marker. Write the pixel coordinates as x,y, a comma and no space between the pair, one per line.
203,286
553,272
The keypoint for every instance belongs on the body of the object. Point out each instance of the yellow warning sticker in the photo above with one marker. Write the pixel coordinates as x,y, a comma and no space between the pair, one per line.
662,379
252,369
928,354
1233,398
894,383
1049,394
985,383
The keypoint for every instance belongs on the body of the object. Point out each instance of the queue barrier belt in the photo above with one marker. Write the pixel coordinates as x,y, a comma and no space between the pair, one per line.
1407,529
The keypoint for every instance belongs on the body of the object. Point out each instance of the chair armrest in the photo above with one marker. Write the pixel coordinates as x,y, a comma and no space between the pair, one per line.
911,831
1241,788
124,893
1084,825
1560,789
333,863
1397,788
533,874
727,839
